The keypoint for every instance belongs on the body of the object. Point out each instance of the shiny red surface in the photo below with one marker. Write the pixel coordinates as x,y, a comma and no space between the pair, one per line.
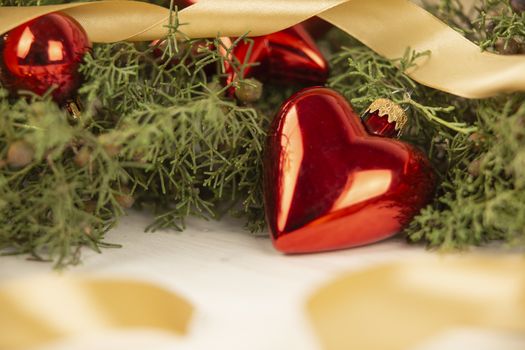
289,55
379,125
330,185
43,53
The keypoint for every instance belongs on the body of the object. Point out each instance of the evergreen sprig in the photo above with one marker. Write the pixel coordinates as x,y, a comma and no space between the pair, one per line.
156,131
160,132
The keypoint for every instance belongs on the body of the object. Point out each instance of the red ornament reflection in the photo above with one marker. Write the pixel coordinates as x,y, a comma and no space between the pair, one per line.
43,53
379,125
331,185
290,55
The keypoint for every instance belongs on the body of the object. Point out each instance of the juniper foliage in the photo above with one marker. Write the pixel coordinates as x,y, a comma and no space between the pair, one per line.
159,131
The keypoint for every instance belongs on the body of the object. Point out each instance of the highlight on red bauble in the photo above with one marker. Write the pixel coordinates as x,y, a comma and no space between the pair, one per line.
44,53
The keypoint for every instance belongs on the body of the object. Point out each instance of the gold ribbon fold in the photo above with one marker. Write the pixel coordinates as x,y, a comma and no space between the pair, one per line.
402,305
389,27
37,311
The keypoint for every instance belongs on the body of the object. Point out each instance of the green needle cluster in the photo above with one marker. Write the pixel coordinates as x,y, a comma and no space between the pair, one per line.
159,132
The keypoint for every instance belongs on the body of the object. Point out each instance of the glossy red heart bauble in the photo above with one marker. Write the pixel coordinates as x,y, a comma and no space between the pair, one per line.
43,53
329,184
290,55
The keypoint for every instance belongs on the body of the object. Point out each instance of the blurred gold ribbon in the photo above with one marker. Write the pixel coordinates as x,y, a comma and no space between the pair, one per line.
37,311
400,305
389,27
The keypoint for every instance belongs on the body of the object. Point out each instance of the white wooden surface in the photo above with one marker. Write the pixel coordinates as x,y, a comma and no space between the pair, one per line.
247,295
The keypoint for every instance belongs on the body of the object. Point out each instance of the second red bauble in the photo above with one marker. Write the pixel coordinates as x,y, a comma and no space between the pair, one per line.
329,184
289,55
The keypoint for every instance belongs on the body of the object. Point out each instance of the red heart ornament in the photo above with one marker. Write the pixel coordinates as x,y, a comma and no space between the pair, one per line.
289,55
329,184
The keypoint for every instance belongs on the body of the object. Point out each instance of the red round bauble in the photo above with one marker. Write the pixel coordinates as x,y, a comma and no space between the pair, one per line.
44,53
329,184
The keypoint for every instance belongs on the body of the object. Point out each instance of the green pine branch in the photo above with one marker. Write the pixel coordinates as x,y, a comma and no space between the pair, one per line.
159,132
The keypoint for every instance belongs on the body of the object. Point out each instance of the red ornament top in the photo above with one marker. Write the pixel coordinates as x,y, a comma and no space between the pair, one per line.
385,118
43,53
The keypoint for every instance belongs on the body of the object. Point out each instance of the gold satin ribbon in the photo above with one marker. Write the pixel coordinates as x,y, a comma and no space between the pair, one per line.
388,27
38,311
400,305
